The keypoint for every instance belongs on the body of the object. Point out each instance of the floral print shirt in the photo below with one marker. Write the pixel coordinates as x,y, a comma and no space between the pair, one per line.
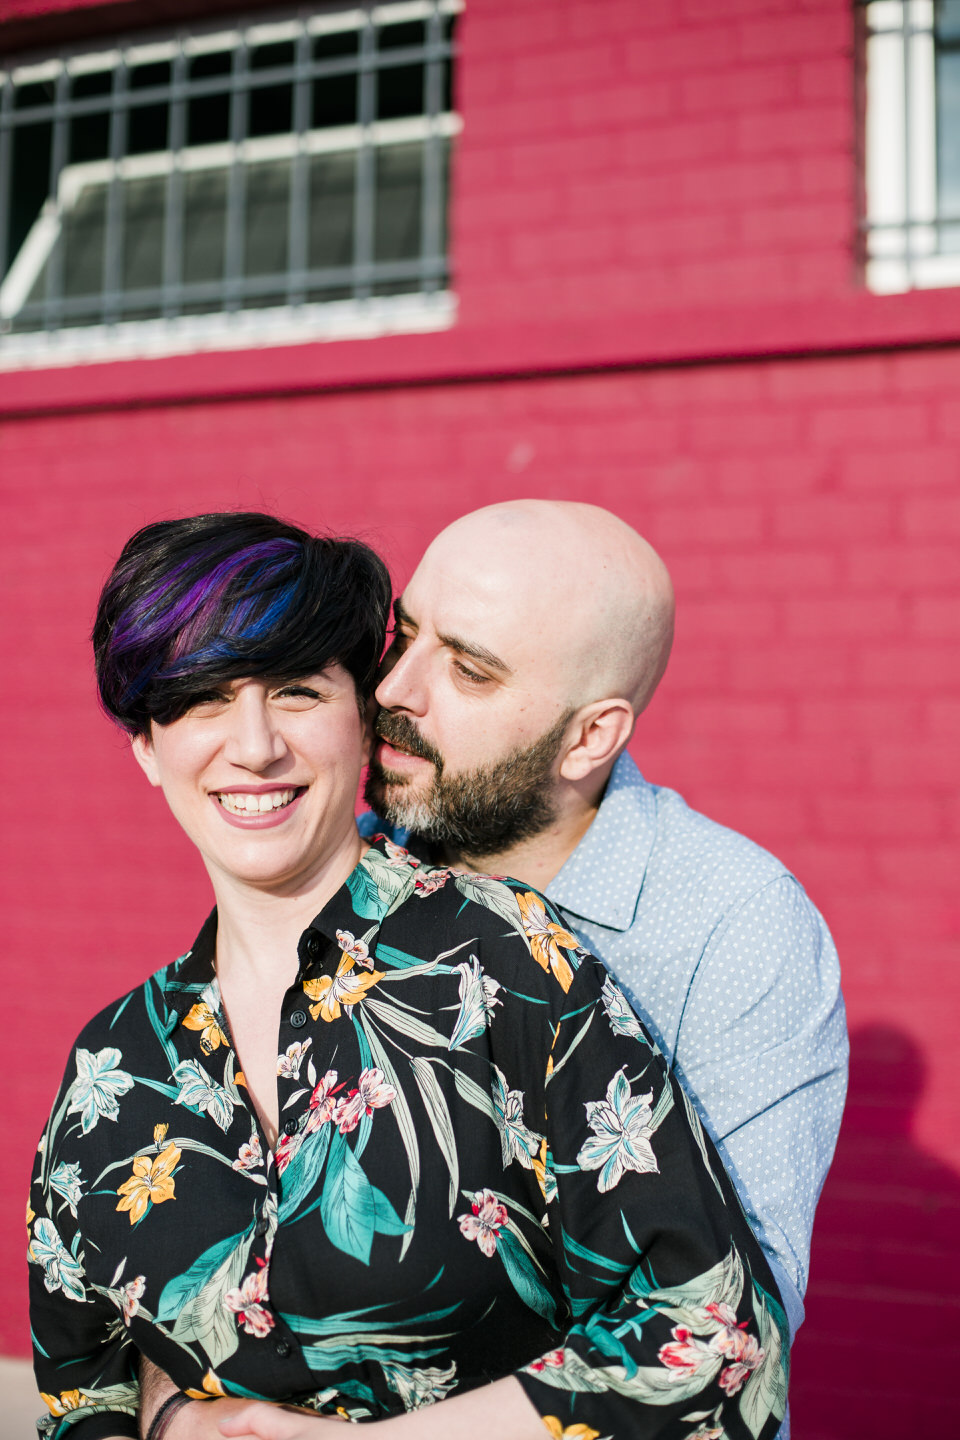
483,1170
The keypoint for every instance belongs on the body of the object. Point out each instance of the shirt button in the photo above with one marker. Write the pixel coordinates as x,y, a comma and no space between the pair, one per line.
262,1226
290,1128
282,1347
298,1018
313,944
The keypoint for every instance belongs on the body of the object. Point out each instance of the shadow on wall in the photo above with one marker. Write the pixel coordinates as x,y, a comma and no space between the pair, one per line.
883,1307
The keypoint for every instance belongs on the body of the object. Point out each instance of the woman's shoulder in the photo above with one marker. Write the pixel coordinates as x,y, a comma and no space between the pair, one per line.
122,1018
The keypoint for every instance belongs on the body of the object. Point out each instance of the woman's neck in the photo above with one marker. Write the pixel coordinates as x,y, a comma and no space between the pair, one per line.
258,928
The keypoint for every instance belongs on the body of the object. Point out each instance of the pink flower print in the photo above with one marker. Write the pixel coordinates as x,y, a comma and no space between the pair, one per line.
355,948
553,1360
427,884
398,856
372,1093
250,1157
288,1064
130,1297
322,1103
735,1345
687,1355
486,1221
247,1303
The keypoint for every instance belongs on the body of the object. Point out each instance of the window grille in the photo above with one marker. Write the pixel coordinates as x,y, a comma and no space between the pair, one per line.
912,152
229,182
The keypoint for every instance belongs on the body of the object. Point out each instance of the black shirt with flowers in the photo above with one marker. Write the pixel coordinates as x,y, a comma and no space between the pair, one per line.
483,1170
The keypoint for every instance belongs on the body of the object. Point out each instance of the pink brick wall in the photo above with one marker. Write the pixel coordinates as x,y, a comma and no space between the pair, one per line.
635,183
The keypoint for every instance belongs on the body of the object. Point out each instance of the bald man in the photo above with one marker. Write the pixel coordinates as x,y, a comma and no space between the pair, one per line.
529,639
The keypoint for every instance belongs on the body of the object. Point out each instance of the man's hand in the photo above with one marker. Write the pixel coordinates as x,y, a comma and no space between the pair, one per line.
197,1421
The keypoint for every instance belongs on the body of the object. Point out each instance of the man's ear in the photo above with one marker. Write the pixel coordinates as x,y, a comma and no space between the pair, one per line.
143,753
602,730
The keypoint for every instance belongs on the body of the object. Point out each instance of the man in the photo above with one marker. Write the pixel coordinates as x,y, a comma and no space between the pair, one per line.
529,639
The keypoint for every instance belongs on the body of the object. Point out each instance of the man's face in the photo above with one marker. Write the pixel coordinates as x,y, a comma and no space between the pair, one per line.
472,716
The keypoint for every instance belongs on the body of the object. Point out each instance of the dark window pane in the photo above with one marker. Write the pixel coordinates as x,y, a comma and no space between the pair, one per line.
29,180
399,184
143,232
335,96
40,92
89,138
449,33
148,77
147,128
402,37
204,215
268,199
82,238
270,57
98,82
332,181
208,116
271,110
400,88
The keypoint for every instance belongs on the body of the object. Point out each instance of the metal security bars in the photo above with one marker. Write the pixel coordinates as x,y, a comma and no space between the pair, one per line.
228,182
912,223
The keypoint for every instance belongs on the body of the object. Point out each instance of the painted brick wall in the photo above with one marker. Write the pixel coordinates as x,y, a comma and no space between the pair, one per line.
634,182
813,702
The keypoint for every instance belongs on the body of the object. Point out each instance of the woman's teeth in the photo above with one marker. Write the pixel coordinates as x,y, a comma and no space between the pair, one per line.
239,804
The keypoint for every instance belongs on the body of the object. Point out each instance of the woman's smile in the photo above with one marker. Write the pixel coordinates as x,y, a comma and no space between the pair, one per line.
258,808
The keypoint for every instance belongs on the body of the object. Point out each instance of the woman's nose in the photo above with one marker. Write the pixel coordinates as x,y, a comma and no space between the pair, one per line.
254,739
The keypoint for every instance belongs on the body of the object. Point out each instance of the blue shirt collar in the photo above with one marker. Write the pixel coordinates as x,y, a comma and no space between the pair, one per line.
601,881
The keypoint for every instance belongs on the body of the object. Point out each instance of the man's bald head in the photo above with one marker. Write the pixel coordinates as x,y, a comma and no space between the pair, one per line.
588,590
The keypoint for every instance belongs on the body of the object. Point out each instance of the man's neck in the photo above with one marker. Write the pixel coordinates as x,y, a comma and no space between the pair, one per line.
537,860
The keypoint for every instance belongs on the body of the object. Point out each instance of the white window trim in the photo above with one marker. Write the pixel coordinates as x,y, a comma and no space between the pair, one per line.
901,151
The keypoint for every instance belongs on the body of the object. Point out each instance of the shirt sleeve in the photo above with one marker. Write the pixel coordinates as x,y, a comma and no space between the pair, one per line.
763,1051
85,1363
676,1324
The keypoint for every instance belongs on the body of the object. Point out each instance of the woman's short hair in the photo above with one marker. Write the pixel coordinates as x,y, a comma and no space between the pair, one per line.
196,602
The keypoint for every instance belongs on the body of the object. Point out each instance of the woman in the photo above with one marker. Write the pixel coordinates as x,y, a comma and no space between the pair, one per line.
385,1133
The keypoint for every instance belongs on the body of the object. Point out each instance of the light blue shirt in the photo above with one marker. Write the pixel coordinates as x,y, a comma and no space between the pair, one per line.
733,970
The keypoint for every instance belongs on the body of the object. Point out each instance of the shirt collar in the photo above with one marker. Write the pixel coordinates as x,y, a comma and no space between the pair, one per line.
381,881
601,881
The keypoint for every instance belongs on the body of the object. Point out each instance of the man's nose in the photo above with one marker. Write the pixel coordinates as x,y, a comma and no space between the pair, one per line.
254,739
403,683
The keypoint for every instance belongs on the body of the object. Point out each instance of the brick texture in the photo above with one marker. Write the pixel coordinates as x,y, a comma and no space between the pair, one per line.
809,510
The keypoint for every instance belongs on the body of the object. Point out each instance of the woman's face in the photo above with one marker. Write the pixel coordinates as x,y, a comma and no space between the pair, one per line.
263,776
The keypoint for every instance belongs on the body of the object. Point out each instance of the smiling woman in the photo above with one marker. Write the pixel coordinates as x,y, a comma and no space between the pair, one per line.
312,1163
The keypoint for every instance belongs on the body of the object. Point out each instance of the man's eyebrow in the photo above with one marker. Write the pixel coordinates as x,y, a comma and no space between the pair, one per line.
400,615
475,652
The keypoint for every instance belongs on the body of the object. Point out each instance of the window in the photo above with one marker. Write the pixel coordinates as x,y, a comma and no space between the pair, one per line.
273,179
912,227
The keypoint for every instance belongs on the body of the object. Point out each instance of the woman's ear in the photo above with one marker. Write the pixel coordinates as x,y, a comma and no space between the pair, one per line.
366,721
145,756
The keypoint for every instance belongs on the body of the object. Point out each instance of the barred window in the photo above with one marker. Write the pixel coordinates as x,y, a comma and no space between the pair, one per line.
231,183
912,224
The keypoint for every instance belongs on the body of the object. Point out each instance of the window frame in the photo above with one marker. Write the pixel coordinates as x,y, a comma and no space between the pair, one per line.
427,305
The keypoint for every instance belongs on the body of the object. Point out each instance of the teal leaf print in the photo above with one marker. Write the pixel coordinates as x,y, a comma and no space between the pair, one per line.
179,1291
303,1171
206,1318
524,1279
377,887
765,1392
493,895
353,1210
439,1116
406,1024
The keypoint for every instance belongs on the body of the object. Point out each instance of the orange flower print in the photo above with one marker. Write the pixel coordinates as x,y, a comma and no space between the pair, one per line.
68,1400
211,1386
547,939
555,1428
150,1184
344,988
202,1018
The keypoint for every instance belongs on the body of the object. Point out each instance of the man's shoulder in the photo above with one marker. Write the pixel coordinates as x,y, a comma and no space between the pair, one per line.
687,841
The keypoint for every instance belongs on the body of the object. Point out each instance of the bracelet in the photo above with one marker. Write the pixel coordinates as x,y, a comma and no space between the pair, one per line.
160,1423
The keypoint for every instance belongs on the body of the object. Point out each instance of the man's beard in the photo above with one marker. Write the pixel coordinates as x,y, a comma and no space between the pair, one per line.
479,812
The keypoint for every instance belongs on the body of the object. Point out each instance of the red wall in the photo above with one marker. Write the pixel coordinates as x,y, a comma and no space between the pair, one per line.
636,185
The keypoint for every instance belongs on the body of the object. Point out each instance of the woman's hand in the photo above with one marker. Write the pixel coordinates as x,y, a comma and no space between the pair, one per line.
278,1422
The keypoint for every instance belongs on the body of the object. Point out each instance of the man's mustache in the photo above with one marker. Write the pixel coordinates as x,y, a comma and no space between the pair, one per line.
399,730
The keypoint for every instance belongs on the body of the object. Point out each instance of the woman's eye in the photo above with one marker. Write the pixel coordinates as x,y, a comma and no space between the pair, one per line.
302,693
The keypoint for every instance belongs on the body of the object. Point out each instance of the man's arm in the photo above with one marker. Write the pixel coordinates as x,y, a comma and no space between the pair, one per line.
762,1050
197,1421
